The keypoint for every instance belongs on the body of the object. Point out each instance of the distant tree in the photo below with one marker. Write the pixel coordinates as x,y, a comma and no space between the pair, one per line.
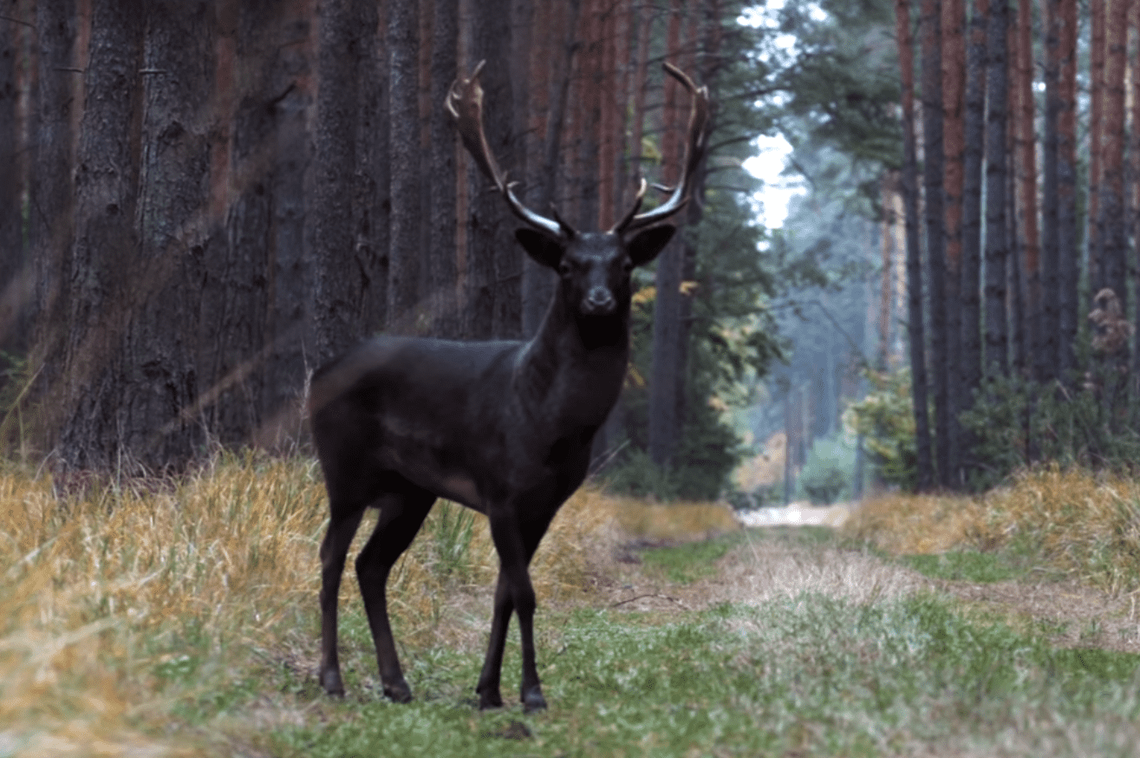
1026,141
934,205
1112,237
915,329
664,403
997,240
1096,136
1068,254
954,146
969,372
1049,356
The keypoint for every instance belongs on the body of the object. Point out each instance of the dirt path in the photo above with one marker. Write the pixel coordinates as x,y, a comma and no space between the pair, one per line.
763,568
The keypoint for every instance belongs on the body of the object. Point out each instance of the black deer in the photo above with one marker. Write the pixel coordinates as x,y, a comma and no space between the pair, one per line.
501,427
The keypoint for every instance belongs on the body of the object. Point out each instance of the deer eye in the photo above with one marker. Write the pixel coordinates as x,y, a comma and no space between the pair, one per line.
564,268
627,266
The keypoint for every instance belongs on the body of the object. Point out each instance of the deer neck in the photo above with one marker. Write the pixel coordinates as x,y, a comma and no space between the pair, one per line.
574,361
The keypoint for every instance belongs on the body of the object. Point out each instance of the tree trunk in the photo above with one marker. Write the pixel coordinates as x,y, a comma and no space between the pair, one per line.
51,187
1069,255
1111,223
932,130
1049,356
15,270
539,281
997,243
337,287
404,164
1096,127
969,373
488,231
441,252
913,252
954,145
664,424
105,270
286,103
1027,180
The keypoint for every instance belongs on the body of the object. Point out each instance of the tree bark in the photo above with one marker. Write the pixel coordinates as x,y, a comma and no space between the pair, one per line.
913,252
1111,222
1027,180
14,268
337,285
285,104
441,252
404,164
1068,254
1096,126
954,145
489,244
934,190
664,424
539,281
997,243
105,279
51,187
1049,356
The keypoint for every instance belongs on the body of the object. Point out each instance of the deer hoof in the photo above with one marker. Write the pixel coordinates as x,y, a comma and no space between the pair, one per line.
490,699
330,680
399,692
533,700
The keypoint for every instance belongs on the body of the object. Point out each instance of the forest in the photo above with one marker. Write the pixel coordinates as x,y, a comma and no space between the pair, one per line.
204,201
903,285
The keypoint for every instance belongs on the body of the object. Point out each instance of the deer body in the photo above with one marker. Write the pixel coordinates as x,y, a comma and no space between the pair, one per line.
502,427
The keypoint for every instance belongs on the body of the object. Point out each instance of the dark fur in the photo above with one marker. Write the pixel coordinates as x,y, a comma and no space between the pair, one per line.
502,427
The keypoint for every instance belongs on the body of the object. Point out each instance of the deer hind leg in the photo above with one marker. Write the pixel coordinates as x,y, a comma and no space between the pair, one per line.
401,515
343,523
516,544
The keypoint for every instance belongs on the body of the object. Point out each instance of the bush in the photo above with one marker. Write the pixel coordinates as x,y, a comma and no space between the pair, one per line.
885,418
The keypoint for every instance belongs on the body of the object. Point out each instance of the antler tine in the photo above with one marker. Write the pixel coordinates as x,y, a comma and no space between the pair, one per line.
465,104
695,148
642,187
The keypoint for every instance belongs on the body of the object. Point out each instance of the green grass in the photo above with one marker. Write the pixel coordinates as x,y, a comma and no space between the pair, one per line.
968,566
806,674
689,561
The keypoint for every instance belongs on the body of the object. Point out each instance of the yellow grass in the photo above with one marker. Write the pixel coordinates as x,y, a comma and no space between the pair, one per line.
1078,522
108,591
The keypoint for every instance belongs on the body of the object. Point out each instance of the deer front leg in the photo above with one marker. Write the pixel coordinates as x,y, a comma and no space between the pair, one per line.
488,687
334,548
514,592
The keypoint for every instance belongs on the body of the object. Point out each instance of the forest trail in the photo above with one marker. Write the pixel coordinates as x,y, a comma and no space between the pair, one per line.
775,563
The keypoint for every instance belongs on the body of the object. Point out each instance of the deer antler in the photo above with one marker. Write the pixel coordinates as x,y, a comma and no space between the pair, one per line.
695,148
465,104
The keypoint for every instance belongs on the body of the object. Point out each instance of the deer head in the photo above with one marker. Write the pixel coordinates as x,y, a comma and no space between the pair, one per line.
594,267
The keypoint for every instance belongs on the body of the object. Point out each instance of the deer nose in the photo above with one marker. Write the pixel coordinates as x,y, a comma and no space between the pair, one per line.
599,301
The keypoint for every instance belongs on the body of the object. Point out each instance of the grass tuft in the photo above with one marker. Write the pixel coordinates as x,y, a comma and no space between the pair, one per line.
1068,520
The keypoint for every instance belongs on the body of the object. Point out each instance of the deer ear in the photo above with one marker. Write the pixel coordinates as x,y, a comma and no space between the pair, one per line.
648,244
539,246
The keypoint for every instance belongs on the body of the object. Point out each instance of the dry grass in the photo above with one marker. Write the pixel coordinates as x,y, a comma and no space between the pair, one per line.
1086,525
672,521
105,588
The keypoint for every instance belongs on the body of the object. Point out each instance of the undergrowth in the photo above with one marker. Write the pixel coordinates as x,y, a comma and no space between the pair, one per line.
1066,520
